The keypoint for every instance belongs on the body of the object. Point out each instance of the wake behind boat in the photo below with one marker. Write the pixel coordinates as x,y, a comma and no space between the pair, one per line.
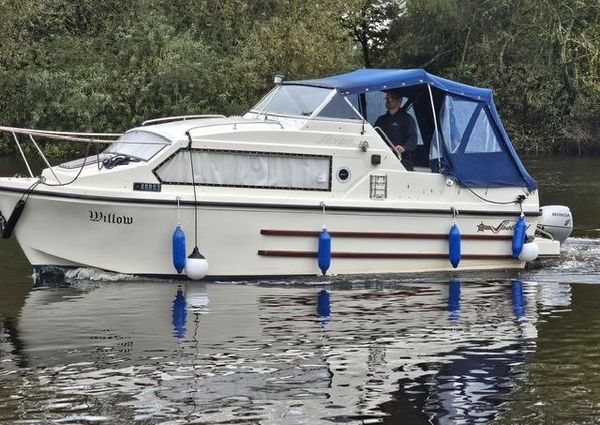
301,184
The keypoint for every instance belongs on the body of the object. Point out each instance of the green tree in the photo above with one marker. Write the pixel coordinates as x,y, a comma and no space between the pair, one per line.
106,65
368,23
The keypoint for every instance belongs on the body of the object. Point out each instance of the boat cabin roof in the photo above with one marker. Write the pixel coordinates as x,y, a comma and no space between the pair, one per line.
372,79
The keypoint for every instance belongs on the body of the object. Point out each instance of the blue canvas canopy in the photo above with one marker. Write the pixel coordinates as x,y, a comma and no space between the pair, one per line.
475,147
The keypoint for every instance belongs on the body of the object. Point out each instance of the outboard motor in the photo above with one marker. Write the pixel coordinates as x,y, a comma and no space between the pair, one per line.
557,221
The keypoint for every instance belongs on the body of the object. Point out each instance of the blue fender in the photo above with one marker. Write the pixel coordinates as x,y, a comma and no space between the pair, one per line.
454,246
179,249
324,250
519,236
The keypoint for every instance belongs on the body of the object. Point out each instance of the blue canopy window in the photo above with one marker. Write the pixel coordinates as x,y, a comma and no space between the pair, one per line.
484,136
471,145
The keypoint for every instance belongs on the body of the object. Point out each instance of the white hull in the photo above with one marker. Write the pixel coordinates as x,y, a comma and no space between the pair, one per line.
253,240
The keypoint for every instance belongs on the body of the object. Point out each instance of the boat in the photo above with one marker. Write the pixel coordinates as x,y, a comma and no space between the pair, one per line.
302,184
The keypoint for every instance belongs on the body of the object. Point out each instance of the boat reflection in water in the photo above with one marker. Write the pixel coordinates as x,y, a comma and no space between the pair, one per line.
454,299
380,351
179,314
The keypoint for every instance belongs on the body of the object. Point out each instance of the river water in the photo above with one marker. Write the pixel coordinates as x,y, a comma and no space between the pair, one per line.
493,347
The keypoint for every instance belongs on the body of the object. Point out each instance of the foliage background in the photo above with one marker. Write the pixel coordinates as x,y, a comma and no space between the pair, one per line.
107,65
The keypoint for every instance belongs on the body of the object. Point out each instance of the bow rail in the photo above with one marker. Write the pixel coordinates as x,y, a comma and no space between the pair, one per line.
55,135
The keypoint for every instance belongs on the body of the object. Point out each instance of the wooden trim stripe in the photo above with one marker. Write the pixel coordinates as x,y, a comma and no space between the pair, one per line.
382,255
380,235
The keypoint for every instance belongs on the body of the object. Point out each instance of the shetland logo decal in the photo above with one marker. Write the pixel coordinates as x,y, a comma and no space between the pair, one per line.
504,225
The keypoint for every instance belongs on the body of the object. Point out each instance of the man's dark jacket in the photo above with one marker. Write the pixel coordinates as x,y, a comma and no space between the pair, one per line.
400,128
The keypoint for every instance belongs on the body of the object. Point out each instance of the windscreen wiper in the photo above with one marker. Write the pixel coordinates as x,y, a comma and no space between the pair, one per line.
119,159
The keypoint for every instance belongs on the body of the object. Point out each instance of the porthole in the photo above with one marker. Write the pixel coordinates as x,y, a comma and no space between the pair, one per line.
343,175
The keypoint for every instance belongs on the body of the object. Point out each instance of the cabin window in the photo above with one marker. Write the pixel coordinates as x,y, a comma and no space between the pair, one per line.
248,169
138,144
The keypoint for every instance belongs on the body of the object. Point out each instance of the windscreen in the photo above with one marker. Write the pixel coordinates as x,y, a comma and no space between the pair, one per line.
292,100
139,144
